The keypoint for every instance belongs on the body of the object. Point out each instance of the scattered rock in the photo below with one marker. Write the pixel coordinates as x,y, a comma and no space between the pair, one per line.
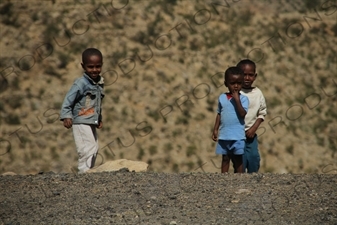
158,198
9,174
241,191
117,165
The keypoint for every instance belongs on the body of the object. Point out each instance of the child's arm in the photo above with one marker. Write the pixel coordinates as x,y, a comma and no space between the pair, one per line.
240,110
66,114
250,133
100,118
216,128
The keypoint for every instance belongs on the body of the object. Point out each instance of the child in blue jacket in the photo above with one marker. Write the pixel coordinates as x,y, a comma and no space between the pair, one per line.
81,108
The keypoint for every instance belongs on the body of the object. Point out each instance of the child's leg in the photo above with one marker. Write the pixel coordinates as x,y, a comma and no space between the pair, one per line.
237,157
237,162
252,156
225,163
244,159
86,144
234,166
244,162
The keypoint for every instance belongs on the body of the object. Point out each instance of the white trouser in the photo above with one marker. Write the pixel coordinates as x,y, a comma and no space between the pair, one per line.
86,145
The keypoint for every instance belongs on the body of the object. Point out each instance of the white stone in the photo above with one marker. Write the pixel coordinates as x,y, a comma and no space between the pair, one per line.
116,165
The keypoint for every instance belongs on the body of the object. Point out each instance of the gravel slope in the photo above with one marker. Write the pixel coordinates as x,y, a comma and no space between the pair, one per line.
125,197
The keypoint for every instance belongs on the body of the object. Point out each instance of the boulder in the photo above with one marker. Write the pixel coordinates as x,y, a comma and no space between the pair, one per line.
116,165
9,174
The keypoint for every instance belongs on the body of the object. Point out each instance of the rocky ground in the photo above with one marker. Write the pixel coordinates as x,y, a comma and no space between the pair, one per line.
125,197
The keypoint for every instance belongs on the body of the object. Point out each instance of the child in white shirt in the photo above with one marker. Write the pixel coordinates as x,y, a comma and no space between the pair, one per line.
257,110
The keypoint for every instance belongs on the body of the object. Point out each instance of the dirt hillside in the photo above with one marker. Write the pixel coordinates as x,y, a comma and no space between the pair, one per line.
163,66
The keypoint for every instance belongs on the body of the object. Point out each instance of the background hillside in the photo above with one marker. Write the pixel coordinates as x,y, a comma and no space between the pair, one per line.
163,66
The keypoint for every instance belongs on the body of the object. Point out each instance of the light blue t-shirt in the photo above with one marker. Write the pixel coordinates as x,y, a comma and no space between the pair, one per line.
232,127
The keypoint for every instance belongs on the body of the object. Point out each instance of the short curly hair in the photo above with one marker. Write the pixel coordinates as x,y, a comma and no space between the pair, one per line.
245,62
233,70
89,52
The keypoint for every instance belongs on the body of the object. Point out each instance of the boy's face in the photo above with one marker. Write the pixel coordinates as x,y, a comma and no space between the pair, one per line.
234,83
249,75
93,66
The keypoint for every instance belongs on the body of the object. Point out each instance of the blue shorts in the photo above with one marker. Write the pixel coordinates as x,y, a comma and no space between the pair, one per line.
225,147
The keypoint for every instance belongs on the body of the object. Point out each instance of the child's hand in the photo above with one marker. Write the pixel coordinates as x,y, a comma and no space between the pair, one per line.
235,94
67,123
250,133
100,125
215,135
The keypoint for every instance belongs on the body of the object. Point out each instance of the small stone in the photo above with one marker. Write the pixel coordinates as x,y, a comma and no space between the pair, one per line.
172,197
240,191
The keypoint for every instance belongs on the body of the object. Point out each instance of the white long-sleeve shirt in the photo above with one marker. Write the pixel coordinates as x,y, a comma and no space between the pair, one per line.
257,106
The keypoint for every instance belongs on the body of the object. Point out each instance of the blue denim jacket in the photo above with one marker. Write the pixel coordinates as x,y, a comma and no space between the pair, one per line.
83,101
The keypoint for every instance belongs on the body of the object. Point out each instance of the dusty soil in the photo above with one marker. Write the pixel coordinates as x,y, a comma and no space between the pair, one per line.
125,197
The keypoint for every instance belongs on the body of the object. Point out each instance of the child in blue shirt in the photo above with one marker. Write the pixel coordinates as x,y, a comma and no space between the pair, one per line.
229,127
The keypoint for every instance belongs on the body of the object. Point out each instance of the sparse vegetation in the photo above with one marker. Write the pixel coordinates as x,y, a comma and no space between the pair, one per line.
141,153
12,119
290,149
153,149
155,56
191,150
